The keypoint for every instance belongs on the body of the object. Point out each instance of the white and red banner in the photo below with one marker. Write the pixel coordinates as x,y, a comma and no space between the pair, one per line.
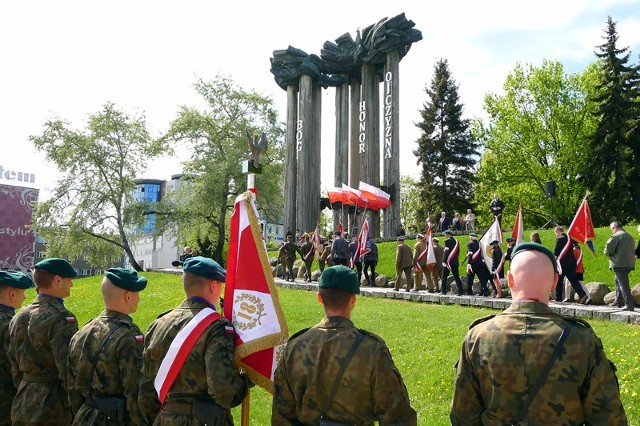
431,255
363,238
374,198
350,196
180,349
518,227
493,233
251,298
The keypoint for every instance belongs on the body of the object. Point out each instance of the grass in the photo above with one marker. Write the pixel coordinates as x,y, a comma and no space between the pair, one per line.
424,339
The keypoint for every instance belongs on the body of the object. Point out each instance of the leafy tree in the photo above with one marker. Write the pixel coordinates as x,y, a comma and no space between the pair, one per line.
216,137
537,131
615,144
446,150
92,209
410,203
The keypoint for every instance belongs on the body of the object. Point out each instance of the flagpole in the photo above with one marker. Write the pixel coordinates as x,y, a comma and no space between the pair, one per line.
244,419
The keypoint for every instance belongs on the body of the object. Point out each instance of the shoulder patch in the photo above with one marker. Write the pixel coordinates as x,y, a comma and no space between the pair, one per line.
298,333
481,320
578,321
163,314
139,338
70,319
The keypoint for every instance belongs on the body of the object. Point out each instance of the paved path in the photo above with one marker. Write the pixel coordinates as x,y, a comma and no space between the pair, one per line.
573,309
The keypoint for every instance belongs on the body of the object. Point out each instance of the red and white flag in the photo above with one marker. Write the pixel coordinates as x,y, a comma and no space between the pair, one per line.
493,233
581,229
251,298
350,196
363,238
374,197
431,255
335,195
518,227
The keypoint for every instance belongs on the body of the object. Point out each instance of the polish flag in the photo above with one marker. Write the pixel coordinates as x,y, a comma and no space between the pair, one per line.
251,298
350,196
335,195
376,198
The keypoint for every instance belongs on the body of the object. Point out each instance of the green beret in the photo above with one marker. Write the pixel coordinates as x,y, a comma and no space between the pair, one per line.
126,279
16,279
510,239
340,277
57,266
522,247
205,267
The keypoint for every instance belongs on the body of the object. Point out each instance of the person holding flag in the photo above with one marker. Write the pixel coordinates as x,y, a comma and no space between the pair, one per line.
497,266
476,266
567,267
188,371
450,263
355,257
308,252
420,254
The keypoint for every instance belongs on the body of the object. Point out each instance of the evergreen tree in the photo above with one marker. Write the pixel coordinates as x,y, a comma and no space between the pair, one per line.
446,150
615,146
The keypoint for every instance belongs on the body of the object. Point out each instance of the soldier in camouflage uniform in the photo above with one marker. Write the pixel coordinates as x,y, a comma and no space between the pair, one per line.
289,249
12,288
504,355
39,338
371,388
105,356
209,373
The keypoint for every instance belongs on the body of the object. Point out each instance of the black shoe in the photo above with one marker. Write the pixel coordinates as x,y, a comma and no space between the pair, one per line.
615,305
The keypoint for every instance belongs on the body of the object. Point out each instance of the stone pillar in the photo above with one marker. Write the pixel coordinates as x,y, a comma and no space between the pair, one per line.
342,144
307,143
369,146
391,141
290,164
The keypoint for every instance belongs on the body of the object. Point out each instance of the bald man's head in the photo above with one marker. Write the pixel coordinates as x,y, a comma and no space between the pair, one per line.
109,291
531,276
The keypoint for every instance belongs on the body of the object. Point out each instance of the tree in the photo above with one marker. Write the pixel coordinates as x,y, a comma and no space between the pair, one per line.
92,209
537,131
446,150
615,144
217,140
410,203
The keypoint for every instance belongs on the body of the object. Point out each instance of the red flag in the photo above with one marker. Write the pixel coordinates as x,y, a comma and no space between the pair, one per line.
335,195
251,298
581,229
518,227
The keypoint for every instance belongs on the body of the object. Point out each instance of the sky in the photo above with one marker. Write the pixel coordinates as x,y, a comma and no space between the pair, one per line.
66,59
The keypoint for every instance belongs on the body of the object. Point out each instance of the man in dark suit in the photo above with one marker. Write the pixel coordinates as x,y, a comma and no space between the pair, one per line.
496,206
450,262
444,222
340,250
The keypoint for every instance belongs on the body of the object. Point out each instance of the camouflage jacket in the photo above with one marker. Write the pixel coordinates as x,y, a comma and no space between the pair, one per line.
39,338
503,357
290,249
7,389
117,366
209,371
370,390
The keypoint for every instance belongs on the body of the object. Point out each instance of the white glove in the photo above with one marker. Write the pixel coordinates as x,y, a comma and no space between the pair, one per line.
444,265
469,269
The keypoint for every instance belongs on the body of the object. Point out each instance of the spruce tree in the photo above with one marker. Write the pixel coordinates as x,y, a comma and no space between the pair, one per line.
614,178
446,150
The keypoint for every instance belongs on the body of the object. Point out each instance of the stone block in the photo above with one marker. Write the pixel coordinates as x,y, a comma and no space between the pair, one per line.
621,316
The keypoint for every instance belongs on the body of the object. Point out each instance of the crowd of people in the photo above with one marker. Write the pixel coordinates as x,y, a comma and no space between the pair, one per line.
182,372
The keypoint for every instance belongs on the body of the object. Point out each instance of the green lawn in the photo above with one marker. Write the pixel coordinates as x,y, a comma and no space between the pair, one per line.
424,339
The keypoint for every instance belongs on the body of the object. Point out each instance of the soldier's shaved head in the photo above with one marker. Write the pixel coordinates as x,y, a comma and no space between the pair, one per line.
531,276
119,299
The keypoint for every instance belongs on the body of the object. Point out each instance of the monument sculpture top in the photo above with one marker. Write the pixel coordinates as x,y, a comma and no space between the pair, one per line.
346,56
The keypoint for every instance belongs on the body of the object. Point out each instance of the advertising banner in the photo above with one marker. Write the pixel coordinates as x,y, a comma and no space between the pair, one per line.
16,241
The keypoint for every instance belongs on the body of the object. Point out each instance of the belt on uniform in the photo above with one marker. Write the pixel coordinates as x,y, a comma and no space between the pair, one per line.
179,407
40,378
